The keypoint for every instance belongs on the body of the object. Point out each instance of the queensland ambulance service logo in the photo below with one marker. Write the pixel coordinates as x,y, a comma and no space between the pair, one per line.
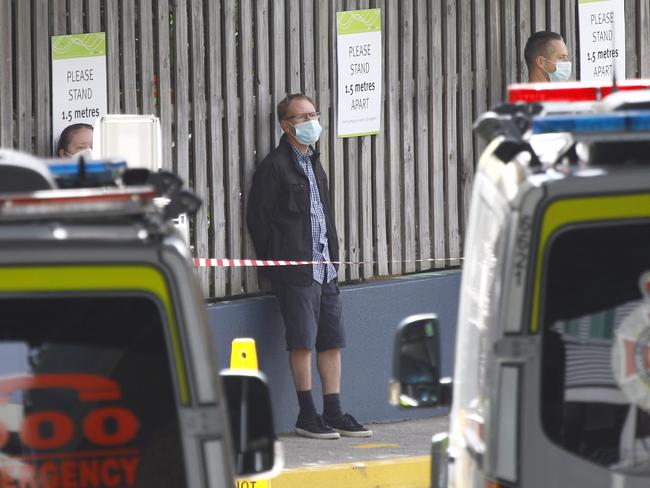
631,351
42,449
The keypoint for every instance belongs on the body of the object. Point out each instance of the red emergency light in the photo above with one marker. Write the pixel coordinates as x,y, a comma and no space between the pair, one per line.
79,196
572,91
76,202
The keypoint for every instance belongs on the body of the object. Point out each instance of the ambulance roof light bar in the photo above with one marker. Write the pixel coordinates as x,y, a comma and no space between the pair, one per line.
614,123
86,174
573,91
66,168
77,202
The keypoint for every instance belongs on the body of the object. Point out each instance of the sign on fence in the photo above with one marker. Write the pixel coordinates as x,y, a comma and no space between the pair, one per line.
602,39
359,72
78,80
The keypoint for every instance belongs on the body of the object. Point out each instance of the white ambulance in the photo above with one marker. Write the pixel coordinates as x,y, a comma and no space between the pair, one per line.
551,384
107,374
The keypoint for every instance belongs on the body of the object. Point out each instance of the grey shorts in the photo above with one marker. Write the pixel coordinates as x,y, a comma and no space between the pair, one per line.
312,315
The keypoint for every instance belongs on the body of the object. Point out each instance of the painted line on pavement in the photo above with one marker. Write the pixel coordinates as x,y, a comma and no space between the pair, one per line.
373,446
408,472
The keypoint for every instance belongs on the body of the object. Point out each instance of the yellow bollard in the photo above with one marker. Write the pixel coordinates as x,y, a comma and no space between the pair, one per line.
243,355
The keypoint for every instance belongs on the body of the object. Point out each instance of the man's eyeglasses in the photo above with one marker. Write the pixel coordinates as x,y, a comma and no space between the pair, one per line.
304,117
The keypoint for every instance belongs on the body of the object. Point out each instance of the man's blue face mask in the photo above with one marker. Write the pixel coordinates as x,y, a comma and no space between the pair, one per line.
308,132
562,70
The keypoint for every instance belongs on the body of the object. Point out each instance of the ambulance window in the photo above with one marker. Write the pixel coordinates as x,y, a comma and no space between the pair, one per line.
595,393
86,394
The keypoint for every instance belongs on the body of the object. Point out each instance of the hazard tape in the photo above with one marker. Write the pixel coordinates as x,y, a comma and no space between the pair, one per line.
235,263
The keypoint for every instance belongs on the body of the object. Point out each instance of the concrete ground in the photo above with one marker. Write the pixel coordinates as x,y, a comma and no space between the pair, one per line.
397,455
389,440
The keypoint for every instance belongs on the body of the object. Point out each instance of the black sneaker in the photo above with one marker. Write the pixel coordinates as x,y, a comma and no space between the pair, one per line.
346,425
314,427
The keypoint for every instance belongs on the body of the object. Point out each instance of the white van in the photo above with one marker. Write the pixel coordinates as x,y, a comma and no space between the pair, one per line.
551,384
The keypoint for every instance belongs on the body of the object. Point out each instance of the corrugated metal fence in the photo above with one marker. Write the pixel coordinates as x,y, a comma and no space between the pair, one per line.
213,70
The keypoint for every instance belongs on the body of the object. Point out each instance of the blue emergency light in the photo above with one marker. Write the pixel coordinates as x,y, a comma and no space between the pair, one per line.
637,121
63,168
74,174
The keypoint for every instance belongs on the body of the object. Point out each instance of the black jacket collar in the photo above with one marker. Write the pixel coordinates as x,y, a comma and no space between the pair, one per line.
284,142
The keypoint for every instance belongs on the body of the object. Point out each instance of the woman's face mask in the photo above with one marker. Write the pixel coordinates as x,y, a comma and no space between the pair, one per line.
87,154
562,70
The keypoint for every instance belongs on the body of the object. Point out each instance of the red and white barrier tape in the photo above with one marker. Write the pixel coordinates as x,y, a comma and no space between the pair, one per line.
227,263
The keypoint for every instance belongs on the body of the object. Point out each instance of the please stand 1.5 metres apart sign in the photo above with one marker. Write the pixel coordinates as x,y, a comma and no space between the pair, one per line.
602,39
359,72
78,80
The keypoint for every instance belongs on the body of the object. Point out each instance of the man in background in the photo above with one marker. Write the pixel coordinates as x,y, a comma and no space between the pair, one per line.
547,58
290,218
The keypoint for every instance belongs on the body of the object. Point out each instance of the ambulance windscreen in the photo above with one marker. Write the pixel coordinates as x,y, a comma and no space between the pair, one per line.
86,394
595,398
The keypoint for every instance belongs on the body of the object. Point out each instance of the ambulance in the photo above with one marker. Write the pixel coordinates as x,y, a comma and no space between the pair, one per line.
551,384
107,374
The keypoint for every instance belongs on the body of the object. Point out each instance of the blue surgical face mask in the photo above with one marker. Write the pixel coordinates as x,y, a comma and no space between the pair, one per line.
308,132
562,70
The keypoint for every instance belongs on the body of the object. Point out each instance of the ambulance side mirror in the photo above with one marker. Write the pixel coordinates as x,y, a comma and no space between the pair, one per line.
416,380
256,448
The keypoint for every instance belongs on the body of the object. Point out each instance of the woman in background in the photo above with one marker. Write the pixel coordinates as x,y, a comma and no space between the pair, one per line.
74,139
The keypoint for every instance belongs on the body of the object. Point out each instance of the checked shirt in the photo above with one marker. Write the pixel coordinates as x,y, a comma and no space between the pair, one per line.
320,249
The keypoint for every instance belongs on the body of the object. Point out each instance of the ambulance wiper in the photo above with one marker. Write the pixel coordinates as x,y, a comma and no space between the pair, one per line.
511,120
166,185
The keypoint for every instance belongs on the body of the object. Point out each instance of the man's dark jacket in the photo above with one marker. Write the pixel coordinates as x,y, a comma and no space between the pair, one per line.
279,217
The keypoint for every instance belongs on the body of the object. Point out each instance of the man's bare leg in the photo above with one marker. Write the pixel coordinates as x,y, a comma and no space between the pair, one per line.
300,362
329,369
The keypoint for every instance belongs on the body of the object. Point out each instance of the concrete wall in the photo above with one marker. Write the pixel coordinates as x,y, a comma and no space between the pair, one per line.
371,312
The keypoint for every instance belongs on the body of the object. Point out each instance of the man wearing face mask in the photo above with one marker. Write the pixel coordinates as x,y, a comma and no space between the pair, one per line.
547,58
289,217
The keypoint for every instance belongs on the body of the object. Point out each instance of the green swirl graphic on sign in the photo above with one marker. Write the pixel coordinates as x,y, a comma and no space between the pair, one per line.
358,21
79,46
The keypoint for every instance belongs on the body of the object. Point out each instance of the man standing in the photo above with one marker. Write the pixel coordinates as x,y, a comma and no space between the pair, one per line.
289,218
547,57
